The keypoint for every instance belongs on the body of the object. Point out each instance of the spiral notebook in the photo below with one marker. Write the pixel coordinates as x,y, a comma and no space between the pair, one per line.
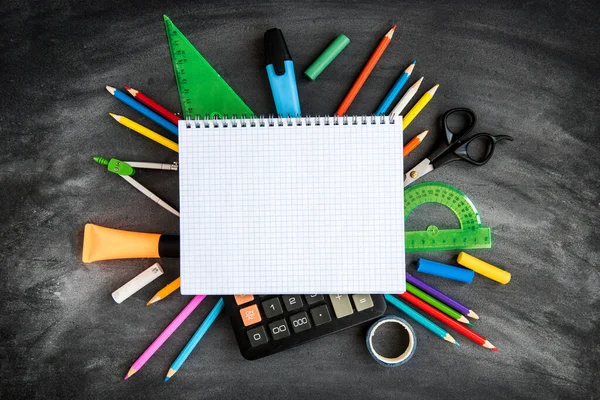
292,206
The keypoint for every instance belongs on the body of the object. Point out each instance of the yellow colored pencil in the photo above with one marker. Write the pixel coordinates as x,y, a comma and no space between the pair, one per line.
146,132
419,106
164,292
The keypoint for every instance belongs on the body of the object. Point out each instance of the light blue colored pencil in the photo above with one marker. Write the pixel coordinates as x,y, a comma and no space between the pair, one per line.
389,98
420,319
189,347
142,109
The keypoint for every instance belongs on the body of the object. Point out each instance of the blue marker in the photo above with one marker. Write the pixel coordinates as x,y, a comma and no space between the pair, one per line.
385,104
187,350
142,109
280,70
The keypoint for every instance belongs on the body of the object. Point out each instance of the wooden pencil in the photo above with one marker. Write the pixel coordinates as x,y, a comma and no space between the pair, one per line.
164,292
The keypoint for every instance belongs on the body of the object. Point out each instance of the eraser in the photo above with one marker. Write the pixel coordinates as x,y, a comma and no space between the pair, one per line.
128,289
445,271
483,268
328,55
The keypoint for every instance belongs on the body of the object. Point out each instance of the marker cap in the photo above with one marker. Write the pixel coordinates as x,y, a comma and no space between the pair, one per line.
445,271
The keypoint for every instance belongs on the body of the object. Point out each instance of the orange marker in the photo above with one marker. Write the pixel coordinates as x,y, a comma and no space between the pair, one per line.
410,146
365,72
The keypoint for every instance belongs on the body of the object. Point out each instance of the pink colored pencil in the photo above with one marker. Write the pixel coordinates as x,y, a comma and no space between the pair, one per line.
139,363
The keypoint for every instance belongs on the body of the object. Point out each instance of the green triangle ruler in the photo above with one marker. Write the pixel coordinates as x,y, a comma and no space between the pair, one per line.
471,234
202,91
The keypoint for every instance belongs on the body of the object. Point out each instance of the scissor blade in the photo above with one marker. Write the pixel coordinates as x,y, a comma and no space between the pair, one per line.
422,168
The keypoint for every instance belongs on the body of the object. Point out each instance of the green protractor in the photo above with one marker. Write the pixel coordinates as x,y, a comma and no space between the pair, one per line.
471,234
202,91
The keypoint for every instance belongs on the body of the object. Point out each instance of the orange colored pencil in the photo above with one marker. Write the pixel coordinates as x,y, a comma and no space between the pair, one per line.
164,292
460,328
410,146
153,105
365,72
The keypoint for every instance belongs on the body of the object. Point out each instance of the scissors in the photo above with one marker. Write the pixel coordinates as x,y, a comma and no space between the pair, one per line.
457,148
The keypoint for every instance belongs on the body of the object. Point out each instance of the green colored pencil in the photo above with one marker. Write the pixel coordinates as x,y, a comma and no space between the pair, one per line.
451,312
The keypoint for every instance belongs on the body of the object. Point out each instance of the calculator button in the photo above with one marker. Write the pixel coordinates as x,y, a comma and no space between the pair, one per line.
300,322
257,336
320,315
243,299
362,301
341,305
279,329
313,298
292,302
272,307
250,315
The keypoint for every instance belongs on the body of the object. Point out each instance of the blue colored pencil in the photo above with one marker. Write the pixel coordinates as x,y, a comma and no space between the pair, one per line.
389,98
189,347
420,319
142,109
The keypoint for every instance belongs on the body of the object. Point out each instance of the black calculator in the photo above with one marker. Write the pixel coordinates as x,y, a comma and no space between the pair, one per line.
265,325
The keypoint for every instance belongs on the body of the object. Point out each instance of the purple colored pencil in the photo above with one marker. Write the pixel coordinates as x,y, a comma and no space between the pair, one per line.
441,296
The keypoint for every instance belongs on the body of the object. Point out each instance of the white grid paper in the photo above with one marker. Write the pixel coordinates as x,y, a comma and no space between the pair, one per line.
296,209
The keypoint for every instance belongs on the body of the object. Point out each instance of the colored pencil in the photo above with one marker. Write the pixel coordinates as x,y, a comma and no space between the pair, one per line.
142,130
145,111
406,98
387,101
195,339
154,106
164,292
416,141
407,119
452,313
436,330
441,296
463,330
364,74
162,338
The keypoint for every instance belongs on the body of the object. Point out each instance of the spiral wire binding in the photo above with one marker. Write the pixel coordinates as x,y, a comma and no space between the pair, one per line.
271,120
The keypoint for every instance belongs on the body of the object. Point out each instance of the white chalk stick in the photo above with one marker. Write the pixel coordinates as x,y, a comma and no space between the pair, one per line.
128,289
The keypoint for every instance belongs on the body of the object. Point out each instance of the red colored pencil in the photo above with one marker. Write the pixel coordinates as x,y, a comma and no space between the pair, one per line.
460,328
365,72
154,106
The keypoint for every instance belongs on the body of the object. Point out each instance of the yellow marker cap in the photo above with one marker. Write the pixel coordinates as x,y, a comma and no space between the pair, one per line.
483,268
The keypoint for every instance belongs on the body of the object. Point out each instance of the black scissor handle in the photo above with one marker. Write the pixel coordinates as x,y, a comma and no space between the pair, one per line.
451,136
462,149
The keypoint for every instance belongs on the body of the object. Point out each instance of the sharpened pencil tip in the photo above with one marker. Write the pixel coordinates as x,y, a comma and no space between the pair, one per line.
471,324
115,116
456,343
153,300
394,27
495,349
472,314
167,378
422,135
111,89
130,373
414,62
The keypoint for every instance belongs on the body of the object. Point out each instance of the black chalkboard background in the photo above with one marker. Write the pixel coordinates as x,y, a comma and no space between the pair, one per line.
529,69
